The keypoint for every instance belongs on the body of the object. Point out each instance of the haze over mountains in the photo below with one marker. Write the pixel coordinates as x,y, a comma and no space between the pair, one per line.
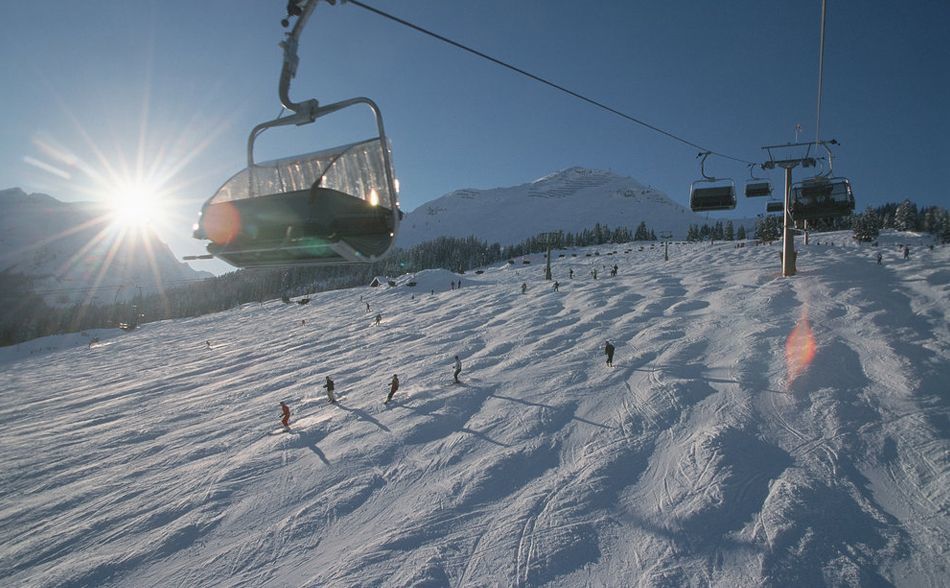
573,199
73,254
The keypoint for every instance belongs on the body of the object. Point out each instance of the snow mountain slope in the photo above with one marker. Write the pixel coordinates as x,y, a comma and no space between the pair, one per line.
150,459
573,199
64,245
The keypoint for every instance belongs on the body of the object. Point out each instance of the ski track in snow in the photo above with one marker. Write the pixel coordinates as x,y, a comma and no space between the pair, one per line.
151,460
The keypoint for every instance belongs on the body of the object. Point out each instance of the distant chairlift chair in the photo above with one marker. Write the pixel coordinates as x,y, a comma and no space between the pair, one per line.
756,187
709,193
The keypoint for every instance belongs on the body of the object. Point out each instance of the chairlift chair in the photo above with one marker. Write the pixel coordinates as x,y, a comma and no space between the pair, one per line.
775,206
756,187
709,193
822,196
333,206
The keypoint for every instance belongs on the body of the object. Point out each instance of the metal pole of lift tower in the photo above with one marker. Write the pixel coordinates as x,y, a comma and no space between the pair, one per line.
788,236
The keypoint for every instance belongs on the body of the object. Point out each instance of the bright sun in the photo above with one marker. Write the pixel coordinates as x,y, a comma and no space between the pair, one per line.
136,205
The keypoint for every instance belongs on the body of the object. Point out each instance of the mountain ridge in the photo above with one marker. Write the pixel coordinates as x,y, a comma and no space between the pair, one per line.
572,199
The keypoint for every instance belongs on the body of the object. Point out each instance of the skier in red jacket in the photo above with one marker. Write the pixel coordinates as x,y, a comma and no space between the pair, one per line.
286,410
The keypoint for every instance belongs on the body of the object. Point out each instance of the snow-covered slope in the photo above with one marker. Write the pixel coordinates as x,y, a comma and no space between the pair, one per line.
571,200
151,460
71,248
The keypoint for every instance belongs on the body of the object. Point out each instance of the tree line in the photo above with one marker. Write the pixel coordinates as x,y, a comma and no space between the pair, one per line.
24,314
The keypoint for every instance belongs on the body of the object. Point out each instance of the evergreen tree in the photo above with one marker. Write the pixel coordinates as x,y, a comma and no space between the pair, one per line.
867,226
729,232
740,233
905,217
768,229
642,233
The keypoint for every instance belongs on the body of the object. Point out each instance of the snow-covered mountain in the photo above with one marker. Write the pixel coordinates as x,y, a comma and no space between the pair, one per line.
754,431
571,200
73,253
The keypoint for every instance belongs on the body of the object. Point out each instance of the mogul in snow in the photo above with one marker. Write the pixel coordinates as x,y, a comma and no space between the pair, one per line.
329,386
393,386
609,350
458,369
285,420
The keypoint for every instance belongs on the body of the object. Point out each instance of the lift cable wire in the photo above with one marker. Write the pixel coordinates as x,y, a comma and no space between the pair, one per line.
542,80
821,65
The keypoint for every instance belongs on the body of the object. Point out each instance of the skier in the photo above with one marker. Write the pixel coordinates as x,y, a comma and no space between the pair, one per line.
458,369
524,287
367,307
286,418
879,257
379,317
594,273
556,285
609,350
329,386
393,386
571,273
613,272
207,344
906,251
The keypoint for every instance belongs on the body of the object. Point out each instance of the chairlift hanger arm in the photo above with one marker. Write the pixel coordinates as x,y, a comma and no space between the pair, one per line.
304,112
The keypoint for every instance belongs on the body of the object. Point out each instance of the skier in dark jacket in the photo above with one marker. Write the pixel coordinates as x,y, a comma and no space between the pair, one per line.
286,418
458,369
329,386
609,350
393,386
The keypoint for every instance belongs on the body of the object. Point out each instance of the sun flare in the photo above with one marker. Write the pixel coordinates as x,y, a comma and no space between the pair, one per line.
136,204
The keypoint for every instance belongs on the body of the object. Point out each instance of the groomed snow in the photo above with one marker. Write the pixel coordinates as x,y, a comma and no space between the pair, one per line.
151,460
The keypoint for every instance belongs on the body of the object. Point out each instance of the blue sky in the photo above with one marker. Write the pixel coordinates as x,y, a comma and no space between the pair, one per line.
174,86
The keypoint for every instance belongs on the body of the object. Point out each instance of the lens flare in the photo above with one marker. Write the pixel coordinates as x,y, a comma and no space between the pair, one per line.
800,348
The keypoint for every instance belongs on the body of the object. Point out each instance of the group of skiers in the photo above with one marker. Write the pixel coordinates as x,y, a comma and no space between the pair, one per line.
331,397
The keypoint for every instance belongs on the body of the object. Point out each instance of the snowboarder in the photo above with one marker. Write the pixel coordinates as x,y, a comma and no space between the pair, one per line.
329,386
524,287
379,317
286,418
458,369
393,386
879,257
556,285
609,350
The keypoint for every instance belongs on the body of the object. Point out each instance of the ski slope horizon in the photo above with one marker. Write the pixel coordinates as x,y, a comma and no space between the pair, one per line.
754,430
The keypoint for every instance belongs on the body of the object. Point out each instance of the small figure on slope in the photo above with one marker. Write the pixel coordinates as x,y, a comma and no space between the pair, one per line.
379,317
524,287
556,285
329,386
458,369
906,251
879,257
609,350
285,420
393,386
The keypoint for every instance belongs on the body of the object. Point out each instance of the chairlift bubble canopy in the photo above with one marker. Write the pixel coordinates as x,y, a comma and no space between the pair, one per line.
719,196
333,206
